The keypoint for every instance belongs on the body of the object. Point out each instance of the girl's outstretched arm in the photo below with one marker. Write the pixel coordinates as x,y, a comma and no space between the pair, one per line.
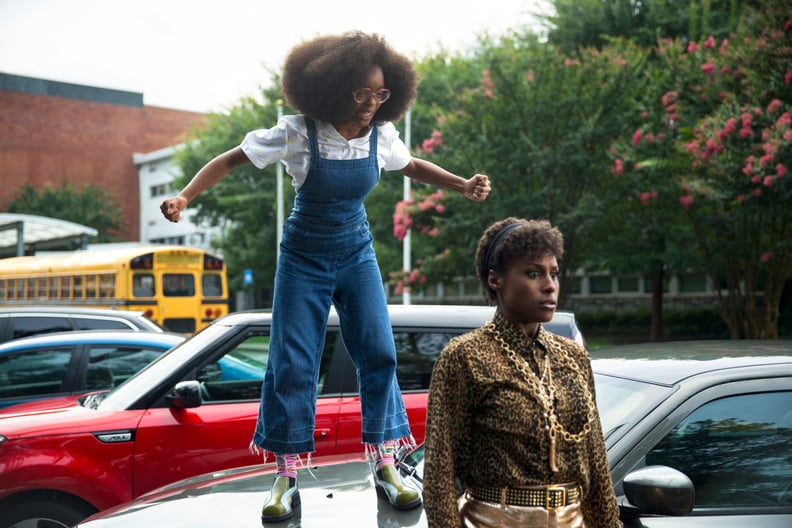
211,173
476,188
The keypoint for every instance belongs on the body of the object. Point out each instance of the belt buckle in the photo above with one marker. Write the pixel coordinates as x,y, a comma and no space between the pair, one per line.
549,497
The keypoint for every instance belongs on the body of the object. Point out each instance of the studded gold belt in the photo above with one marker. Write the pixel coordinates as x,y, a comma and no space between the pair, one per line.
548,497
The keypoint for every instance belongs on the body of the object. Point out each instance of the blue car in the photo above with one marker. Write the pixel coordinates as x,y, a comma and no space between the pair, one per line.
75,362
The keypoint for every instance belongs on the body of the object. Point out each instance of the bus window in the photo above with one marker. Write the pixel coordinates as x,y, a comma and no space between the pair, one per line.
30,293
212,285
143,285
90,286
66,284
107,286
178,285
79,292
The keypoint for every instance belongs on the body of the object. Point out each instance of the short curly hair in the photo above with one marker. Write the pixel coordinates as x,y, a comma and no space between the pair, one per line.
320,75
514,237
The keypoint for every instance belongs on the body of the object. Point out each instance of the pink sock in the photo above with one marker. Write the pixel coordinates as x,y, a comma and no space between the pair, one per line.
286,465
384,454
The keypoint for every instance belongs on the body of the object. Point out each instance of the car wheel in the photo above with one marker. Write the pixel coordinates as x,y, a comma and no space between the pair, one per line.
44,513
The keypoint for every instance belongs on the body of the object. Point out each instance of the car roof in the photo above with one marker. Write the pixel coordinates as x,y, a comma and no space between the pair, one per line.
92,337
69,310
671,362
435,315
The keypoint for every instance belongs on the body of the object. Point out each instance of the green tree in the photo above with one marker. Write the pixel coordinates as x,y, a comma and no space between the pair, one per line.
91,206
578,24
538,122
726,107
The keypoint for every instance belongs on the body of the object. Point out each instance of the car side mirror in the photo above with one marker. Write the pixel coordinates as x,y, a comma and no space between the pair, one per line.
185,395
658,490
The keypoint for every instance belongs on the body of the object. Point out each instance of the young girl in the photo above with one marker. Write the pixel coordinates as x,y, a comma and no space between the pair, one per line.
348,89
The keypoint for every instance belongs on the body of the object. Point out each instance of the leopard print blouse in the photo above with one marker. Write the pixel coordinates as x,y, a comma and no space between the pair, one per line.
484,427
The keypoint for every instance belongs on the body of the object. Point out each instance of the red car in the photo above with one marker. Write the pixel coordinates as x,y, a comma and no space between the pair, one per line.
193,411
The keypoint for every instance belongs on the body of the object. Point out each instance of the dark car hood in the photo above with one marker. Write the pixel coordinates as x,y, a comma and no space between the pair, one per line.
343,497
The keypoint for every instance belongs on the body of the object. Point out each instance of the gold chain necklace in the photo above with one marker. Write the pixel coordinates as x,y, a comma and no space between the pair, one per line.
544,390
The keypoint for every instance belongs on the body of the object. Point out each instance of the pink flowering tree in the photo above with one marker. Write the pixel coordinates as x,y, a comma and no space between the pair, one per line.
723,109
420,216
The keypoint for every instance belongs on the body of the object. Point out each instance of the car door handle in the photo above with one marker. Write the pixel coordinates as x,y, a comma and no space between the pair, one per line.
321,432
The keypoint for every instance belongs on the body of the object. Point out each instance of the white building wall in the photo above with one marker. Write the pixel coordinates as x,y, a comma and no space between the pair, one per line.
157,171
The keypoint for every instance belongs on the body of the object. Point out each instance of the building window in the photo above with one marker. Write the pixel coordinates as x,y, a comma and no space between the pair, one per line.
600,284
160,190
628,284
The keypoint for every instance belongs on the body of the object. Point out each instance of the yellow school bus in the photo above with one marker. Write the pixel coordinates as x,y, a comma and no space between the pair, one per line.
181,288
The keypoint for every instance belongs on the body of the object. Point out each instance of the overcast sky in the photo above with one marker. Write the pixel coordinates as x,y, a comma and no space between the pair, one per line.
203,55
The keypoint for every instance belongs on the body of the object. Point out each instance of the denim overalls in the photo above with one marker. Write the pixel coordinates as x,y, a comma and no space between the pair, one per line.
327,256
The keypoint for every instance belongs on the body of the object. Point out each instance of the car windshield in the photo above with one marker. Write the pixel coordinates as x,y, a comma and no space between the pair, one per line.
621,400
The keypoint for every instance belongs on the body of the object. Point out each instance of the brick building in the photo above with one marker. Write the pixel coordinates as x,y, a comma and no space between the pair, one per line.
53,132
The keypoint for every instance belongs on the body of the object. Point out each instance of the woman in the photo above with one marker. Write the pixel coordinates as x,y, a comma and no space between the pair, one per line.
513,436
348,89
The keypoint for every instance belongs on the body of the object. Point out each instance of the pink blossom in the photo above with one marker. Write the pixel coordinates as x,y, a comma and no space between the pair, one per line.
730,127
781,170
788,77
788,25
644,114
710,42
428,146
746,133
636,138
686,201
768,181
774,105
692,47
784,120
660,136
766,256
724,69
756,178
440,208
645,197
433,232
788,135
708,68
669,97
765,160
530,76
740,198
618,167
747,119
757,192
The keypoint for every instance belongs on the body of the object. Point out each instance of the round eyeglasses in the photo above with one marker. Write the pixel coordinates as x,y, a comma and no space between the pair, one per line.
364,95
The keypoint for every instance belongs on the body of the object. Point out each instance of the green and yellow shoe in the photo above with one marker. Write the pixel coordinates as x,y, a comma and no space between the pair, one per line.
389,485
284,497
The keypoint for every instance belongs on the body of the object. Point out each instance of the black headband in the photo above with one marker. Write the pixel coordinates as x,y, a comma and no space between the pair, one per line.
496,239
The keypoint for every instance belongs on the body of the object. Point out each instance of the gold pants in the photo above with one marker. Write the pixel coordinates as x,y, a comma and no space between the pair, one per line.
474,513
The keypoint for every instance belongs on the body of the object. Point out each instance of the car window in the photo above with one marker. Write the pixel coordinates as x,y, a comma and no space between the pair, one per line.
735,450
416,354
27,326
109,366
34,372
238,374
87,323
